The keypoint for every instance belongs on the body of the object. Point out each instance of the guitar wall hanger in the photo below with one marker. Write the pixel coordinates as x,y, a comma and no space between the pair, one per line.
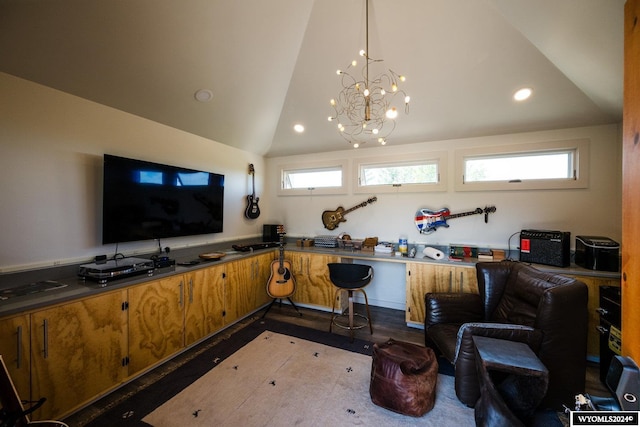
428,221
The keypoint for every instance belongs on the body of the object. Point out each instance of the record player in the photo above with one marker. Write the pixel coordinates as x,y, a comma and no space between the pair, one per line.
103,272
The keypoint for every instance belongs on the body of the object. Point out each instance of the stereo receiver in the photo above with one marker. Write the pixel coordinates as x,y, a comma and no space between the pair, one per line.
545,247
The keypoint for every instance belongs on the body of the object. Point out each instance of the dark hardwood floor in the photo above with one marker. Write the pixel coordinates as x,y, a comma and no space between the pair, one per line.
387,323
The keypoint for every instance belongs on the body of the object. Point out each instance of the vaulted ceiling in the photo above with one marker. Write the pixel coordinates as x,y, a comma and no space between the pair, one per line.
270,64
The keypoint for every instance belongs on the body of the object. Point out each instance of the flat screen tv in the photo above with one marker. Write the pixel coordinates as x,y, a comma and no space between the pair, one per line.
144,200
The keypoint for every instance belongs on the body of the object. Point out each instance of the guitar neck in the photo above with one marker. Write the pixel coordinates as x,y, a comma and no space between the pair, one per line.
460,215
361,205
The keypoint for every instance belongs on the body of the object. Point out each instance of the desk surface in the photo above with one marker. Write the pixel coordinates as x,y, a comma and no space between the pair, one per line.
508,356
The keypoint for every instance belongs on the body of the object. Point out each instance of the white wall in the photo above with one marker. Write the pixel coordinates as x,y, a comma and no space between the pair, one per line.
51,147
595,210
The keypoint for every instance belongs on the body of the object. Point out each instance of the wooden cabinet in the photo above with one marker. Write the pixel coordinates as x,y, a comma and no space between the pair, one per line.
593,284
246,285
204,307
425,277
313,286
156,321
631,182
14,347
78,351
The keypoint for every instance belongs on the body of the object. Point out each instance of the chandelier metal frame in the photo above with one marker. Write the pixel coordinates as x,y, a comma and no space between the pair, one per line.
364,108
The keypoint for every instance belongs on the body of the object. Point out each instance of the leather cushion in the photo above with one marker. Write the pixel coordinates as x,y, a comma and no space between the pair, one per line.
403,377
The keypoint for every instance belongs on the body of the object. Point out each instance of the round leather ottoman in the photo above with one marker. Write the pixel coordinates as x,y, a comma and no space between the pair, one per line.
403,377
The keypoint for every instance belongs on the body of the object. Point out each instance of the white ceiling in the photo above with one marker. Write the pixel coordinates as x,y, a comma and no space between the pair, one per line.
271,63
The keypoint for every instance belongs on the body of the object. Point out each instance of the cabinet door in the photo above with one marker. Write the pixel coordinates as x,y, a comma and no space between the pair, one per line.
78,352
313,286
14,347
422,278
156,321
204,306
246,286
593,285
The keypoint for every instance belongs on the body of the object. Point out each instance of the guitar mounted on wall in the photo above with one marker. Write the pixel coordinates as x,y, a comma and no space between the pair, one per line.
281,283
252,211
331,219
428,221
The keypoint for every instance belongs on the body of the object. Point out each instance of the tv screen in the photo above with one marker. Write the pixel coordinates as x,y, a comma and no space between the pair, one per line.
144,201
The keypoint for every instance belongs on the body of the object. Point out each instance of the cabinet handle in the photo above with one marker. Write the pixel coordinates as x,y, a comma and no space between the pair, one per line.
461,282
45,335
601,311
451,281
181,289
602,330
19,346
190,291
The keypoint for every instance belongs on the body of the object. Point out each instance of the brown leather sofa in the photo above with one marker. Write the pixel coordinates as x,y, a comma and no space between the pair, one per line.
515,302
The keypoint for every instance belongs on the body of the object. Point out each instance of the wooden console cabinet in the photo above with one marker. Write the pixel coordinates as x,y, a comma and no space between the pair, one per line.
422,278
74,352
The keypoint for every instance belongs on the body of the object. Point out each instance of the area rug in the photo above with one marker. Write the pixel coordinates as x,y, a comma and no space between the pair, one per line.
279,380
142,402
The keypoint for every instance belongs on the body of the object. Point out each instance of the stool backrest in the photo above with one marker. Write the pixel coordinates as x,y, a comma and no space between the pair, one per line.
350,276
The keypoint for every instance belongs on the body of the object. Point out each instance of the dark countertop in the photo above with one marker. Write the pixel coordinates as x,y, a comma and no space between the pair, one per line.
77,287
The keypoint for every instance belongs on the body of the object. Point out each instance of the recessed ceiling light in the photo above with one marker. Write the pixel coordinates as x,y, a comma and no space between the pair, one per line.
203,95
298,128
522,94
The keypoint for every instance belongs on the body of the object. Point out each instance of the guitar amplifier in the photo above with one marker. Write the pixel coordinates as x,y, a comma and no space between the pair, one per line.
545,247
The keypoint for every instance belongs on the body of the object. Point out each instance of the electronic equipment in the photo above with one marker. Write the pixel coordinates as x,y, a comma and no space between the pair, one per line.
623,381
160,261
144,200
103,272
597,253
270,232
254,246
545,247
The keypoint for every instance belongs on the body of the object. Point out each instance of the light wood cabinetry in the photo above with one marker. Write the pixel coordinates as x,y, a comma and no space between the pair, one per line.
593,285
246,285
425,277
631,182
313,286
15,349
156,321
78,351
204,306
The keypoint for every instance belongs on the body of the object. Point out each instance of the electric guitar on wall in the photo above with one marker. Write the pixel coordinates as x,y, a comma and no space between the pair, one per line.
428,221
281,283
252,211
331,219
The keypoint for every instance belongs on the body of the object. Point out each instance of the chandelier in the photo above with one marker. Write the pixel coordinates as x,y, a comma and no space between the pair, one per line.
364,109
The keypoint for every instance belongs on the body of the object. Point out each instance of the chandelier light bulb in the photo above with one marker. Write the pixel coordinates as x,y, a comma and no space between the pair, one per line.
363,53
332,102
330,118
403,78
354,63
392,113
383,92
382,141
407,99
366,92
394,87
338,72
375,131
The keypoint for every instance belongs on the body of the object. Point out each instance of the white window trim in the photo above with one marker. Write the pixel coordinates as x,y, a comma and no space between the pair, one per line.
581,179
440,157
343,189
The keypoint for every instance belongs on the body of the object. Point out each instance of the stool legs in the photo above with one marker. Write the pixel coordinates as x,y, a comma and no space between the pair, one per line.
351,313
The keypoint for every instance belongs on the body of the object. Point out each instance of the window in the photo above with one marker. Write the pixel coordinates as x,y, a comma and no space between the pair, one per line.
315,178
402,173
553,165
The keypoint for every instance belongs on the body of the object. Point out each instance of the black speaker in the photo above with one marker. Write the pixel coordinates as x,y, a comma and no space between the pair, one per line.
545,247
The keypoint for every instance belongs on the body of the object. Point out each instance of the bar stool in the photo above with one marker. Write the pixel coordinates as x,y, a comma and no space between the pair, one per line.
351,278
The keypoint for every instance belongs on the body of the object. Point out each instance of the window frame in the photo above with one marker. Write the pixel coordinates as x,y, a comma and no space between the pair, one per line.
580,177
341,164
440,158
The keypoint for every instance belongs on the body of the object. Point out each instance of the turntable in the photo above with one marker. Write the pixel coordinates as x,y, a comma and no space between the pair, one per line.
103,272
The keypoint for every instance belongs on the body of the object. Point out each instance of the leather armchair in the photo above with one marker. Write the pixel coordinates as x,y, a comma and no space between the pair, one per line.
515,302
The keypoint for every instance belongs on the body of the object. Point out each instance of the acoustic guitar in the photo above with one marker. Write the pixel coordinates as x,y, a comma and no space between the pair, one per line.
428,221
281,282
252,211
331,219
